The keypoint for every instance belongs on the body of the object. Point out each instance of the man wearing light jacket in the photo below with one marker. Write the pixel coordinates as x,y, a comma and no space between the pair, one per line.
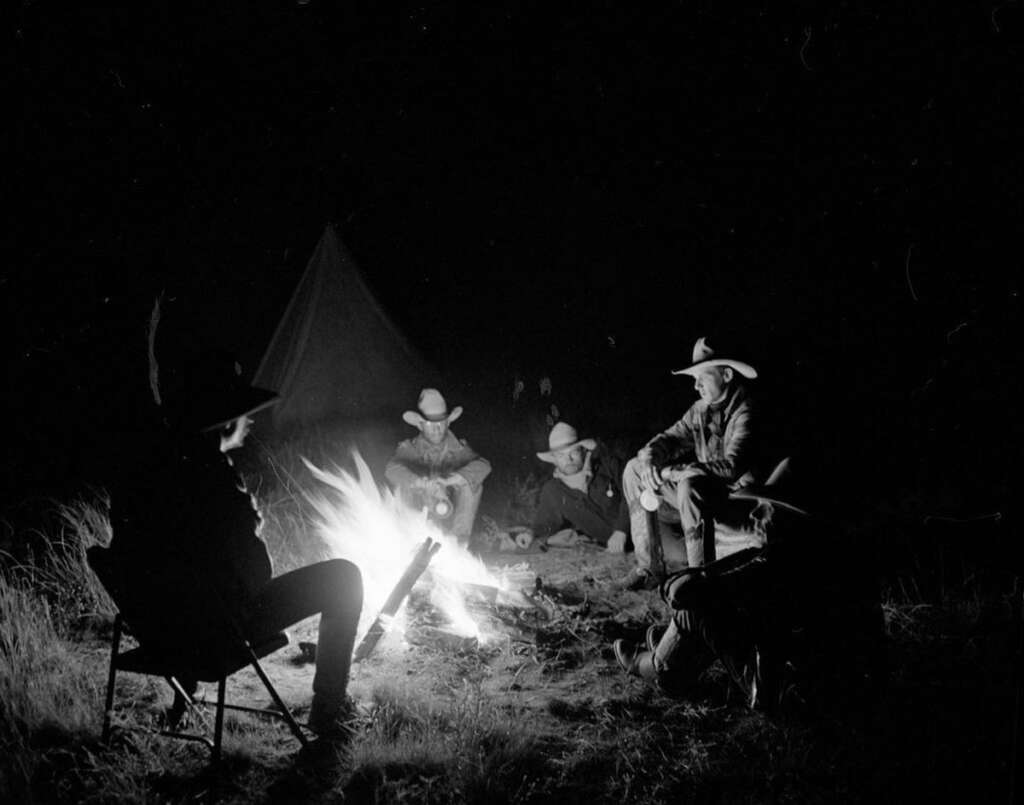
436,467
687,472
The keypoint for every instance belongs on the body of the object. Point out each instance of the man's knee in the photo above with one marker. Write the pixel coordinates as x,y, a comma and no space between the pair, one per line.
346,581
631,484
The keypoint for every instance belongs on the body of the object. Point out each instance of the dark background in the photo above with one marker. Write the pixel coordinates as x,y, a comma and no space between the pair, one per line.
830,191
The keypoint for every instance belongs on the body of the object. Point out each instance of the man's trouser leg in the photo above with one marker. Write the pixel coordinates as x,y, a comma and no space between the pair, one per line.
682,655
698,498
466,500
333,588
643,525
728,621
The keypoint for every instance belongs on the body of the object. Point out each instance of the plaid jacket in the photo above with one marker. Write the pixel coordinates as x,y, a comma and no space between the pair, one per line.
717,438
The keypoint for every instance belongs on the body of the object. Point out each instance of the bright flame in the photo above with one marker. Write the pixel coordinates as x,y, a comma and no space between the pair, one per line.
380,534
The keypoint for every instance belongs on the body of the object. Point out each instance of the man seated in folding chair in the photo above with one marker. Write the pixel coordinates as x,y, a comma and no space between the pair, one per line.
187,549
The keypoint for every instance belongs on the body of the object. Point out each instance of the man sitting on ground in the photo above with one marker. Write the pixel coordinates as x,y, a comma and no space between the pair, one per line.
688,471
583,500
436,470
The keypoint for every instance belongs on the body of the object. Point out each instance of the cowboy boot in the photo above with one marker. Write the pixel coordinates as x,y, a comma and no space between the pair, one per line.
635,660
653,636
650,569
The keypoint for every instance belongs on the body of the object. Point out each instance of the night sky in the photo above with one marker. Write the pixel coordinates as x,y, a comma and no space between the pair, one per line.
832,189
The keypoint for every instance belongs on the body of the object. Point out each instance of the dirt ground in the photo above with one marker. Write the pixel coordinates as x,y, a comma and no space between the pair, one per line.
553,655
941,725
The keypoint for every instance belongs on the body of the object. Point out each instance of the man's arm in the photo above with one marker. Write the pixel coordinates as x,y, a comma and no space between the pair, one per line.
470,466
401,469
737,448
548,519
612,467
677,440
681,436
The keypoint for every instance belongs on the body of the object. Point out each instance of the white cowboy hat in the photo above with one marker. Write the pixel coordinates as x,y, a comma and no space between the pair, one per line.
562,438
704,356
433,408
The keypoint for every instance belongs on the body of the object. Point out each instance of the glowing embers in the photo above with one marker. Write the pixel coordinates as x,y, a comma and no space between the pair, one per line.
375,530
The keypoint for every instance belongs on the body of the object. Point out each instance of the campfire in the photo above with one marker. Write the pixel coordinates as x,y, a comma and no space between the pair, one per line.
400,550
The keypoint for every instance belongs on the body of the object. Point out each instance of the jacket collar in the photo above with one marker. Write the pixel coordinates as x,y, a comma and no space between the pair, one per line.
725,407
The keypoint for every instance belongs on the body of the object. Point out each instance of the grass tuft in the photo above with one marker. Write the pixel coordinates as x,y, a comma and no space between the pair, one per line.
468,750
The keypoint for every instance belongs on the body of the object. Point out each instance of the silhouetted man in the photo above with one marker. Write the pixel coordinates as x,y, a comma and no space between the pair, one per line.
187,534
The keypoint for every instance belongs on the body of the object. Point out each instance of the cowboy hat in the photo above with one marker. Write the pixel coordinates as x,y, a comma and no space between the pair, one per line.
433,408
563,438
208,392
704,357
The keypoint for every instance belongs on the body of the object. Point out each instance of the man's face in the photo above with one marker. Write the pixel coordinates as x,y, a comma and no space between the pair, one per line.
233,435
434,432
570,462
713,383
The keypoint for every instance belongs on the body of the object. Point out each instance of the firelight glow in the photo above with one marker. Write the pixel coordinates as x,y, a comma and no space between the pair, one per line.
377,531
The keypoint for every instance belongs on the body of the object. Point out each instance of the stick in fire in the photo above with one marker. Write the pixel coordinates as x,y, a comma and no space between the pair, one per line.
398,594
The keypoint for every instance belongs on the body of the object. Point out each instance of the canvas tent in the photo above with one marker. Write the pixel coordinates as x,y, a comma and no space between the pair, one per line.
335,355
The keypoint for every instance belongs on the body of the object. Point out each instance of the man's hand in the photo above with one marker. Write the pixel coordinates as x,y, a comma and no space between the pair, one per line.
524,539
617,542
680,472
453,479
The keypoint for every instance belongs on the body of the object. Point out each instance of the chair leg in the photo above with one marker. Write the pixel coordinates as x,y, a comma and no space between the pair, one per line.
108,705
286,712
218,728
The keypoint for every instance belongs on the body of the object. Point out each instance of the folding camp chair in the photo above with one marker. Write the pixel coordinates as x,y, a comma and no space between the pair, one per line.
184,651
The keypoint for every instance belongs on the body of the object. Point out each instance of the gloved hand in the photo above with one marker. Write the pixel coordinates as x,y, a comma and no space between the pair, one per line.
524,539
617,542
681,472
453,479
648,474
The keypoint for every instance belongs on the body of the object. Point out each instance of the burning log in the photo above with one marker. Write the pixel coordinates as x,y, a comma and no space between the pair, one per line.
398,594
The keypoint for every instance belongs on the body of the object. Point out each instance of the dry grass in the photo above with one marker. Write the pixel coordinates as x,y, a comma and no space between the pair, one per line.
465,734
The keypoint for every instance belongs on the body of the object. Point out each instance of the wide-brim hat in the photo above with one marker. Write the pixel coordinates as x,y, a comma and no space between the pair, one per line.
227,406
207,392
704,357
563,437
432,408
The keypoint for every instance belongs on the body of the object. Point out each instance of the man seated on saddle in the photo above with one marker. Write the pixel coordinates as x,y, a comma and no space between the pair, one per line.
687,472
436,470
785,626
583,500
188,548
